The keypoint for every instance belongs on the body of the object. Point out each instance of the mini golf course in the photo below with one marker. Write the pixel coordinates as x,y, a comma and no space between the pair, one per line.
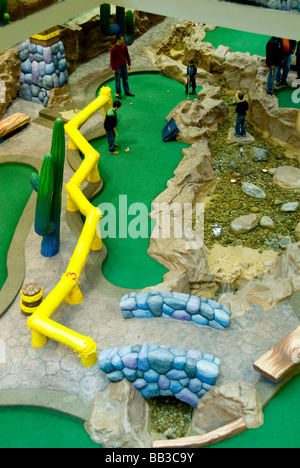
15,192
140,175
238,41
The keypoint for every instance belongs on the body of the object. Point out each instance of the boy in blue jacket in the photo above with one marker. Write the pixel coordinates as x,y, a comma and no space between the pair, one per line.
191,77
110,125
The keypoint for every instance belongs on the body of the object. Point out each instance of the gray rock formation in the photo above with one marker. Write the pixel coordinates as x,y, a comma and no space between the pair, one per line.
120,418
225,404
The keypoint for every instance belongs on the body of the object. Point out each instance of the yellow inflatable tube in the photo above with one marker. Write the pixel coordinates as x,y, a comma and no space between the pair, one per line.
90,239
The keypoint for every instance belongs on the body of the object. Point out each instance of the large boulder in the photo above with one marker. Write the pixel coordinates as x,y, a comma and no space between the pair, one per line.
239,71
177,71
224,405
268,293
288,265
196,119
120,417
173,242
10,69
266,116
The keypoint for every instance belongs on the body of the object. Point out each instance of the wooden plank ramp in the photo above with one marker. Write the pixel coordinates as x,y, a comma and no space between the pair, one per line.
12,123
282,360
205,440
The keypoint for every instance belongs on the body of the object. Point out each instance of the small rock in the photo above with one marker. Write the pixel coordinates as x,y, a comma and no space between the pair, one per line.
267,222
285,241
289,207
244,223
235,205
260,154
233,164
252,190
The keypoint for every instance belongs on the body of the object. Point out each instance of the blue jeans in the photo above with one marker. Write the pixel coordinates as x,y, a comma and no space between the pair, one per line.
190,83
122,73
111,136
240,127
271,79
285,69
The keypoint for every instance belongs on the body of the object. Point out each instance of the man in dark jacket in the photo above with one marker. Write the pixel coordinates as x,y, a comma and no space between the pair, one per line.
110,125
274,59
289,47
119,58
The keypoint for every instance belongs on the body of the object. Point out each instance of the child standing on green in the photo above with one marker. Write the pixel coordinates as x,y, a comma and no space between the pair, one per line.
191,77
110,125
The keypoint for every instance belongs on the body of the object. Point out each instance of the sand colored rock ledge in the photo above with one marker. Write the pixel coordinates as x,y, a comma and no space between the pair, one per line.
224,404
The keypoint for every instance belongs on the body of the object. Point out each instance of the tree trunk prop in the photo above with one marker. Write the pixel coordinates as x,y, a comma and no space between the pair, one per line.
49,193
124,23
4,16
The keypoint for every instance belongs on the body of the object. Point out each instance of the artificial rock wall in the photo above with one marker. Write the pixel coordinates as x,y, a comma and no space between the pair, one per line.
42,69
161,371
176,305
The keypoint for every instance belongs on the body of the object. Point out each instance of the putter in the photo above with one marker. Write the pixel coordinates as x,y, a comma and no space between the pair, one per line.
189,85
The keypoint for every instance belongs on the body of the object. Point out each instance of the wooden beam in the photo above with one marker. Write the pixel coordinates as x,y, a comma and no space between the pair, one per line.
12,123
223,433
282,359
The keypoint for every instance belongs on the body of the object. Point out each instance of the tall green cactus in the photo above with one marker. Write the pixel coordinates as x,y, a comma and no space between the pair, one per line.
4,16
106,28
129,29
124,23
49,193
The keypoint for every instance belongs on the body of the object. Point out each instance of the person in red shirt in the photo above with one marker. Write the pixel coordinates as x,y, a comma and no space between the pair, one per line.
119,58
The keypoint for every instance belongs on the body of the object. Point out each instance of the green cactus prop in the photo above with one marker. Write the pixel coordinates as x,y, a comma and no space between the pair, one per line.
44,197
124,23
4,16
129,29
106,28
120,19
49,193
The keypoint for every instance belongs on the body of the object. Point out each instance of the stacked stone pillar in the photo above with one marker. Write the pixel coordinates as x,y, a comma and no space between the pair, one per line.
43,67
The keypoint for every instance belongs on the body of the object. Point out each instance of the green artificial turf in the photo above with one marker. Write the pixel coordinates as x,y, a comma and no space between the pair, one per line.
14,195
238,41
29,427
138,176
288,97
